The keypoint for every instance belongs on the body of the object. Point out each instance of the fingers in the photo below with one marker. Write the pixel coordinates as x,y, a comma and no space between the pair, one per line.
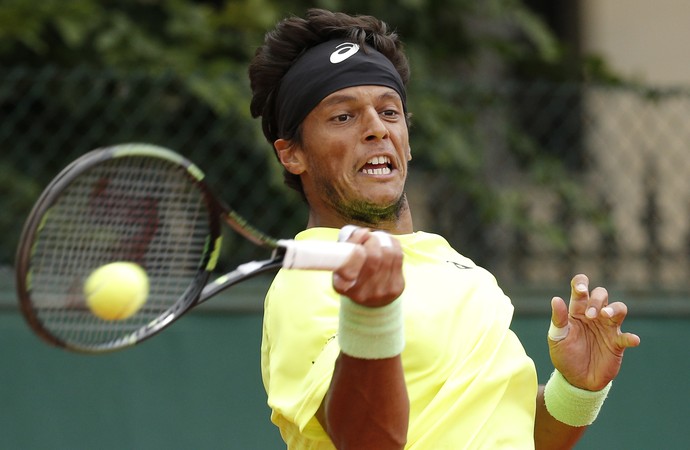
584,302
346,276
629,340
560,312
384,238
598,299
592,305
579,294
372,276
616,313
348,230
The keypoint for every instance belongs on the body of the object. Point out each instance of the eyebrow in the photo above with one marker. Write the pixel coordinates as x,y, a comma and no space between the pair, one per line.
344,98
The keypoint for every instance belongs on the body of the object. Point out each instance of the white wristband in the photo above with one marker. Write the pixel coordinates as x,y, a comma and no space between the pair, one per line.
371,333
572,406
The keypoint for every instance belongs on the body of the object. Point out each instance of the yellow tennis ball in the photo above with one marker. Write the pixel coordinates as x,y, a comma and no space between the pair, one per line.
117,290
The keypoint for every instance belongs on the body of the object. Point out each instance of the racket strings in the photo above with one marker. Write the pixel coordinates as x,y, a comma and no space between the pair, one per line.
139,209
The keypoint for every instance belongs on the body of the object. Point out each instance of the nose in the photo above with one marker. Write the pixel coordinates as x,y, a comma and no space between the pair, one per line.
374,127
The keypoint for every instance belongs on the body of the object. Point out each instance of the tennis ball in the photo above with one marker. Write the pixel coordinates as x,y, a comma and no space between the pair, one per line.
117,290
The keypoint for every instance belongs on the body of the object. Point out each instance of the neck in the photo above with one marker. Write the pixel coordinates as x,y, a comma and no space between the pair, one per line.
397,222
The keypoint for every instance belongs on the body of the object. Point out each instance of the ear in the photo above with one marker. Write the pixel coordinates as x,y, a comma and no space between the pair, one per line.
289,156
409,153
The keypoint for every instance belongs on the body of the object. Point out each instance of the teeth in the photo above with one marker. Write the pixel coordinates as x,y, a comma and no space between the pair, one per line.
383,171
379,160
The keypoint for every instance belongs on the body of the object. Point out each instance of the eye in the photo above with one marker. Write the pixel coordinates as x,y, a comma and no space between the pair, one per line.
341,118
390,113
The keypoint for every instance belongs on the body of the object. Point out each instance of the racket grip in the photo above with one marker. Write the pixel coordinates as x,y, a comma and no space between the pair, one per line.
315,255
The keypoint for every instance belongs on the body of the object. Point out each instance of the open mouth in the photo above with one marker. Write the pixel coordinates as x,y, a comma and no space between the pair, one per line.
378,165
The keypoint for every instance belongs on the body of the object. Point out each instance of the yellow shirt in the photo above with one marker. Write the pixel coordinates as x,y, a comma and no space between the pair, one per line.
470,383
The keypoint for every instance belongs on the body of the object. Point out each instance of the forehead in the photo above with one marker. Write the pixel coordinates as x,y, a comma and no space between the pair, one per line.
366,93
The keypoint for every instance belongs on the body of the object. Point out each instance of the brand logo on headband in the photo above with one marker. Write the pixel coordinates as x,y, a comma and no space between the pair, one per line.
344,51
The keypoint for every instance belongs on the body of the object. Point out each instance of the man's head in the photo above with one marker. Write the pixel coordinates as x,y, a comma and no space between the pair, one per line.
289,76
324,69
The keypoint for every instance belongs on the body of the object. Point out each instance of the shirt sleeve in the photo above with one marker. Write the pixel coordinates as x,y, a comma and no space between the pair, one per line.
299,347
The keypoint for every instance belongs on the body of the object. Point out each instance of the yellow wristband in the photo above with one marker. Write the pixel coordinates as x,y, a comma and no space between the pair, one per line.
371,333
572,406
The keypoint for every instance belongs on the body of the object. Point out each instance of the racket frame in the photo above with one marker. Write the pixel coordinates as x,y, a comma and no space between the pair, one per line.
41,211
286,253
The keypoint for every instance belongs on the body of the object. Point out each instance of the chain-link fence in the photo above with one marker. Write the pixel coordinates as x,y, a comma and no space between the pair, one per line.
534,181
581,178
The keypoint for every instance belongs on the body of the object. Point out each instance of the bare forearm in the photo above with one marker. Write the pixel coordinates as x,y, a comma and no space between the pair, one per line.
367,404
549,433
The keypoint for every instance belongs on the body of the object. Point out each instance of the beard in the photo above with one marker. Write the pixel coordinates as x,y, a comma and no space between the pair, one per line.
364,212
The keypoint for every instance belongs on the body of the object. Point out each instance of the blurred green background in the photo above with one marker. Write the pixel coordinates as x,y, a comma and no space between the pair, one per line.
534,159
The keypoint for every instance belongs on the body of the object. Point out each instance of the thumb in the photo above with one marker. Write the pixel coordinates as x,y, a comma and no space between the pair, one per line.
559,328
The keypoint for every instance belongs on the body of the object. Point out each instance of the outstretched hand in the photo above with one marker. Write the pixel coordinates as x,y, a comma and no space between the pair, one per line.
590,354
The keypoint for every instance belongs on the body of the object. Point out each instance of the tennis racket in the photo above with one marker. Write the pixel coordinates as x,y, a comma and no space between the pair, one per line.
144,204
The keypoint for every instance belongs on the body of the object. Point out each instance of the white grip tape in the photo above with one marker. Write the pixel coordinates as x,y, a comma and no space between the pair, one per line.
558,333
315,255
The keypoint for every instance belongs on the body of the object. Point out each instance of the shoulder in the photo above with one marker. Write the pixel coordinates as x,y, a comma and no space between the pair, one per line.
422,245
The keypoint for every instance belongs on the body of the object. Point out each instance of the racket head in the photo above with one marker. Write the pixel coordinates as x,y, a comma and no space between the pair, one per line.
133,202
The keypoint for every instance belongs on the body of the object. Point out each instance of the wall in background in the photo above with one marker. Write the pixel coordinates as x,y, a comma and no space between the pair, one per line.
198,385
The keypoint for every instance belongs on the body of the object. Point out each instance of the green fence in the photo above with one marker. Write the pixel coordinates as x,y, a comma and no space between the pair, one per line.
535,181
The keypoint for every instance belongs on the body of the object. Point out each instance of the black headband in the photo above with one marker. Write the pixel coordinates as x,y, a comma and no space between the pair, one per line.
324,69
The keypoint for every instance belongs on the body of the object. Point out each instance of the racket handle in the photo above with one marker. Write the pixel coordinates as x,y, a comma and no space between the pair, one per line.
315,255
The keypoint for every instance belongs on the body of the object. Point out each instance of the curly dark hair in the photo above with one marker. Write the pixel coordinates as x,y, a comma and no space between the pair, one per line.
290,39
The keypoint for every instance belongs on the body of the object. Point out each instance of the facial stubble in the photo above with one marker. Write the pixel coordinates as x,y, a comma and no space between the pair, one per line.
363,212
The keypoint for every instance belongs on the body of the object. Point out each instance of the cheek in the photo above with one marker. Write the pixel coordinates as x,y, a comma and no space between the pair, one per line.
322,171
400,134
328,159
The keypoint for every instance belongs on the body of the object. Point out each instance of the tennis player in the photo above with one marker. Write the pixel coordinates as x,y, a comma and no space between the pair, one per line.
408,344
